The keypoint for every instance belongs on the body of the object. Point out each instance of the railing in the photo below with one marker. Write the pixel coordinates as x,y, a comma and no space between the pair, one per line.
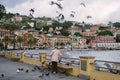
67,61
107,66
2,52
33,56
18,54
10,53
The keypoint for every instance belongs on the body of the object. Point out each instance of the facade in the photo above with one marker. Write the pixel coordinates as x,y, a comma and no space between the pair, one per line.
3,33
29,39
89,33
82,42
108,45
16,18
49,23
51,41
102,39
118,31
94,29
60,40
50,29
75,29
44,40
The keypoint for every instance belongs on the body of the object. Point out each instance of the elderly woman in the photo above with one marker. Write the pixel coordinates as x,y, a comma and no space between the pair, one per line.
55,56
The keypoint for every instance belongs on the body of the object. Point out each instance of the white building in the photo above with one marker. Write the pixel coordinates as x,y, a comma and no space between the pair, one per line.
108,45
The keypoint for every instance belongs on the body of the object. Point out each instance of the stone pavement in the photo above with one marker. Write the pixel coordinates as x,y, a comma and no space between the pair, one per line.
9,68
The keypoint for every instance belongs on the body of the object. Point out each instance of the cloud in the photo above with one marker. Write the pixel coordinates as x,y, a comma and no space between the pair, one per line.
101,11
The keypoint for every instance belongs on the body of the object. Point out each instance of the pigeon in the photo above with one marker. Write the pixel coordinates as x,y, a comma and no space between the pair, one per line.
27,71
21,69
18,70
47,73
2,75
41,75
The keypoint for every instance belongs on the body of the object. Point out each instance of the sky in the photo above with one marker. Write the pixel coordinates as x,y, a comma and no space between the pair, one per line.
101,11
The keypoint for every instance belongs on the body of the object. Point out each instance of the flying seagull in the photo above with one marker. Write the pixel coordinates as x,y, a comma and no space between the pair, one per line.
59,0
89,17
57,4
82,4
32,10
60,16
72,14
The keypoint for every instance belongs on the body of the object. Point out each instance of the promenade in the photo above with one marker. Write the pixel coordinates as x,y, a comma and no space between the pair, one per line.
9,69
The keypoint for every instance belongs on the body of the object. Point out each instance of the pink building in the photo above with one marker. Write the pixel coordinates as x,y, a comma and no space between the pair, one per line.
102,39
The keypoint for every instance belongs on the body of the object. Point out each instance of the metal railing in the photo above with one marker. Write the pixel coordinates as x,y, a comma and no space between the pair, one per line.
107,66
75,62
33,56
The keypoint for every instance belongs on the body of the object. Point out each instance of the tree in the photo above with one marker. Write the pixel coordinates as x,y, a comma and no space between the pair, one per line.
77,34
118,38
19,40
103,28
116,24
67,24
64,32
6,39
1,46
2,11
104,33
14,41
30,42
56,24
110,24
46,28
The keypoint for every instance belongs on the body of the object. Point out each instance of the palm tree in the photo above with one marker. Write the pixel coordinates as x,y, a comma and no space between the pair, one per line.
19,40
6,39
14,41
30,42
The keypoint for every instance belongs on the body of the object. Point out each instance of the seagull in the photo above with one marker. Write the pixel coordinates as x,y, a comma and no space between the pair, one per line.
82,4
59,0
89,17
60,16
56,3
72,14
32,10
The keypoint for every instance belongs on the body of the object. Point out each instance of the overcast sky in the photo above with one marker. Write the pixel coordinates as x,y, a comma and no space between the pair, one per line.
102,11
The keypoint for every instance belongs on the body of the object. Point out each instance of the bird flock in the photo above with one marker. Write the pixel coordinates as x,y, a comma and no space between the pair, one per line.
60,16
